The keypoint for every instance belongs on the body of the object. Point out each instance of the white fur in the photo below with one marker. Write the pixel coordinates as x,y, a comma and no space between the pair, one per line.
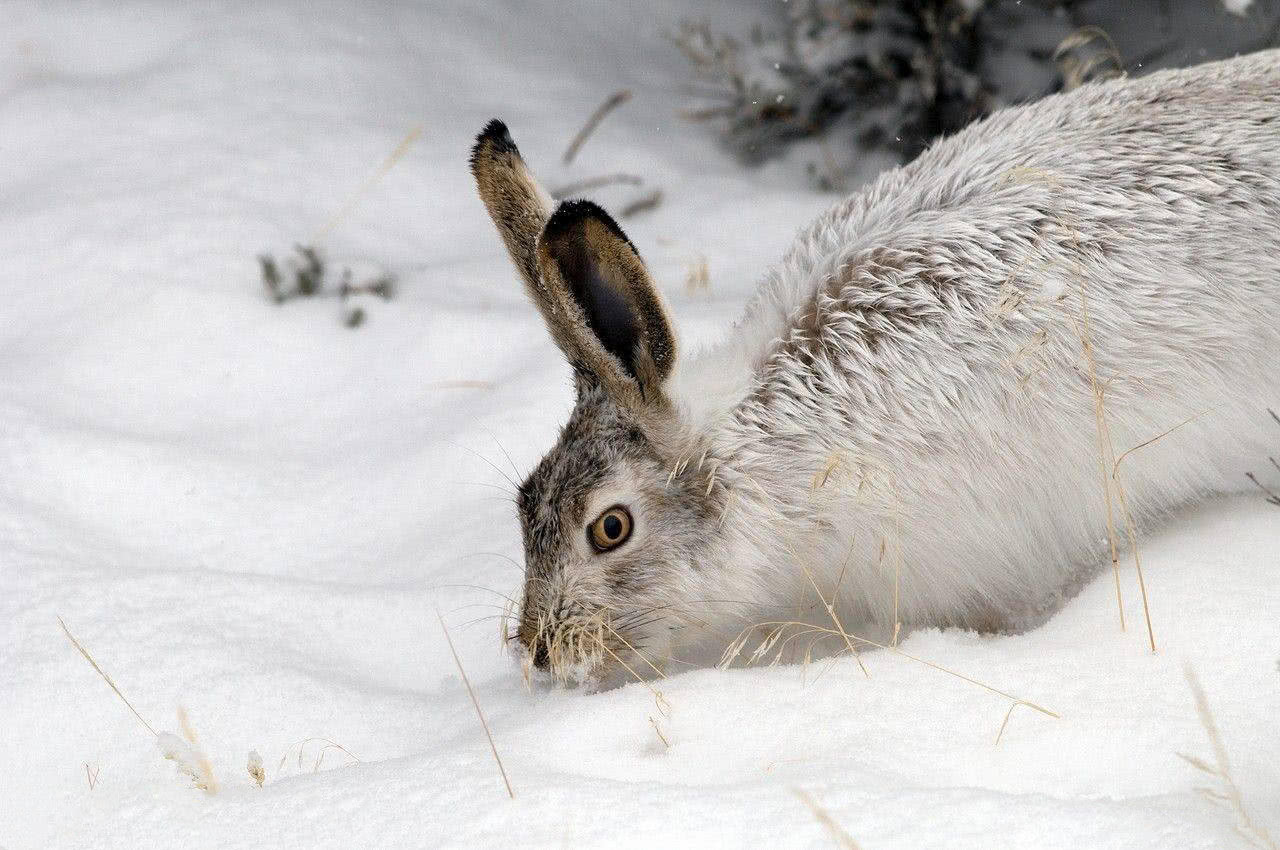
948,397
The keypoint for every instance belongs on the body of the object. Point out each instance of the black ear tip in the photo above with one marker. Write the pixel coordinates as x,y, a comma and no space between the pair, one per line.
497,131
496,138
571,214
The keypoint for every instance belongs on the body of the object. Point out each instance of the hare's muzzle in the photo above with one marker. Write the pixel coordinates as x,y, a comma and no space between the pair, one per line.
531,644
572,649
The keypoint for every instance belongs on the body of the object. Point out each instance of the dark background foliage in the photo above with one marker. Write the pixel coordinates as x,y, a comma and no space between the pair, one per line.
889,76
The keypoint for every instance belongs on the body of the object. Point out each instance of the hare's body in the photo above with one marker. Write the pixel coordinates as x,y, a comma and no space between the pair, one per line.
910,409
922,348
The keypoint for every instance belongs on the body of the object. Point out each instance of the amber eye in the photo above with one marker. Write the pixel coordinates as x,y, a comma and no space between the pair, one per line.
611,529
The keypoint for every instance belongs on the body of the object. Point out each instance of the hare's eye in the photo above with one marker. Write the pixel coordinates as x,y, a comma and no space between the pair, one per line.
611,529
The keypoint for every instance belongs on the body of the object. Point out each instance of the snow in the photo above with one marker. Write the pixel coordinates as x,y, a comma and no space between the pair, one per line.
252,512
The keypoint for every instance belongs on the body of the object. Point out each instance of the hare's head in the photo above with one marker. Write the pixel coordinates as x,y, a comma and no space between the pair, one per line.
612,538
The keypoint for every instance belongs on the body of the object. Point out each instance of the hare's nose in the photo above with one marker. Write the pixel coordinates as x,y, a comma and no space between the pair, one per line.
536,644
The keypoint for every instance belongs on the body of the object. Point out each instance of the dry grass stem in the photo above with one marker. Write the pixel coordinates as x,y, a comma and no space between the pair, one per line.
1272,497
1079,69
637,652
658,731
830,465
835,618
705,113
562,192
835,175
664,707
842,838
897,576
87,657
578,646
1005,722
768,768
1105,451
203,775
611,103
697,276
1154,439
460,385
1106,448
319,756
736,647
355,197
641,204
1229,795
476,703
91,775
972,681
254,766
1131,526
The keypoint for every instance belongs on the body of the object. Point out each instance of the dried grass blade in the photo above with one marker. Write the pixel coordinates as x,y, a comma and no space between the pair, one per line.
824,817
476,703
354,198
103,674
611,103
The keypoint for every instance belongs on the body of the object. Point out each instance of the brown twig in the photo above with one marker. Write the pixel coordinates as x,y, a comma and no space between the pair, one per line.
611,103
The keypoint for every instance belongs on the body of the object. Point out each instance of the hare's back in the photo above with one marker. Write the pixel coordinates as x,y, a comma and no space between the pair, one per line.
1222,118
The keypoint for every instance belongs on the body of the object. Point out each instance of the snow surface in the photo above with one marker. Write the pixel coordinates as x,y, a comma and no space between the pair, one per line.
253,512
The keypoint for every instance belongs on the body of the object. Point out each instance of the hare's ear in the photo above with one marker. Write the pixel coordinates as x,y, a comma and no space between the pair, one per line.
615,322
516,203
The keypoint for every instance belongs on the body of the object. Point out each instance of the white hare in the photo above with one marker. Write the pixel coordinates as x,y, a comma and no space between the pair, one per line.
907,416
